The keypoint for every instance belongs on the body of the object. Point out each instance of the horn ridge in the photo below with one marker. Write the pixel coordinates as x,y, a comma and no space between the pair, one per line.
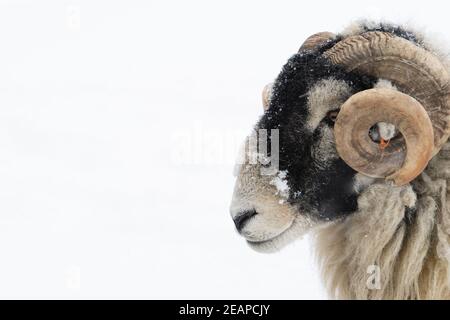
411,68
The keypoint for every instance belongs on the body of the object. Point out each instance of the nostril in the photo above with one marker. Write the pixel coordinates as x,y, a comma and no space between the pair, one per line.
242,218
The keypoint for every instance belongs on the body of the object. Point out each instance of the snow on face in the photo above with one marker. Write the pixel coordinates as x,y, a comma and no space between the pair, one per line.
281,184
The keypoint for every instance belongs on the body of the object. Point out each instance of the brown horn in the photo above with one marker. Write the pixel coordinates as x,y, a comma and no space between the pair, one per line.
317,39
366,108
414,71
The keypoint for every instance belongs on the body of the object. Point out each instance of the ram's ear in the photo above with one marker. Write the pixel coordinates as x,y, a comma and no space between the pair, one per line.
267,92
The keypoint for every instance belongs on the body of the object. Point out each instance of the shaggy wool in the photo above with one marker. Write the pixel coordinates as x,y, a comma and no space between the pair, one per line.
397,245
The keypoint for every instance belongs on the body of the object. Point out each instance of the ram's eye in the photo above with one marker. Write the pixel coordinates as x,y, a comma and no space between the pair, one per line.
332,115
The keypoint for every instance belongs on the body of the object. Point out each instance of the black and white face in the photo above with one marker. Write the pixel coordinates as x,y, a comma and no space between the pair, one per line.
312,184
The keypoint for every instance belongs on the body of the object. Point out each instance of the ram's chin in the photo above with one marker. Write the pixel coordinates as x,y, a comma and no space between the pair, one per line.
297,230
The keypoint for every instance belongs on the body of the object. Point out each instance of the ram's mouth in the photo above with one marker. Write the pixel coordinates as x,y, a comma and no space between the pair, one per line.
271,245
298,228
265,245
256,243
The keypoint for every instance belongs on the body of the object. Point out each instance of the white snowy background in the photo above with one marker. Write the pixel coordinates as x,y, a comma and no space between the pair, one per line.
119,122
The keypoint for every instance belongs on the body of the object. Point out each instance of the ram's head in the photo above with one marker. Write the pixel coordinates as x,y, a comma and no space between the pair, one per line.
345,112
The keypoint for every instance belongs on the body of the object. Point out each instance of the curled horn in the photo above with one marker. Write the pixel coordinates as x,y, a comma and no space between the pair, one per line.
420,110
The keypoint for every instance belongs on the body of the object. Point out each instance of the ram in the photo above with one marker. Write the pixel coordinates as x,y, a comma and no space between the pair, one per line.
364,164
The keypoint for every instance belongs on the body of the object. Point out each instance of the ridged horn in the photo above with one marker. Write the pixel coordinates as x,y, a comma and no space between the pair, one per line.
402,159
415,72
